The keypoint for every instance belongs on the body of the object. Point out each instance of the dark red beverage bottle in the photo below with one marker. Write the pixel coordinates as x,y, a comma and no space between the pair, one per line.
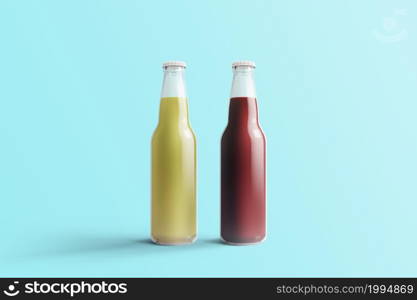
243,158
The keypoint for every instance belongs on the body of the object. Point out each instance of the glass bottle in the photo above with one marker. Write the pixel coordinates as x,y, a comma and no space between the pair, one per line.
173,219
243,155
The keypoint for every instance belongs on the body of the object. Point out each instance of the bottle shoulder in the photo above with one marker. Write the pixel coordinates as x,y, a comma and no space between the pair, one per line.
237,128
253,132
170,132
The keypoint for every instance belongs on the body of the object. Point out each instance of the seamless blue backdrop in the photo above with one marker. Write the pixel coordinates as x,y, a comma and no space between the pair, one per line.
79,99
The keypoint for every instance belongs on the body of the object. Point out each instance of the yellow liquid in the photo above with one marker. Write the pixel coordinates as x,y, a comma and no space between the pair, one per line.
173,175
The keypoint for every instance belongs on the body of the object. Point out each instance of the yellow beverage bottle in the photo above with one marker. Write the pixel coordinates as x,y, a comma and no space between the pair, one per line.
173,164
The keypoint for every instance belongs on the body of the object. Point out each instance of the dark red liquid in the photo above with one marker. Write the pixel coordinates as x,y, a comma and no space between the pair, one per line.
243,174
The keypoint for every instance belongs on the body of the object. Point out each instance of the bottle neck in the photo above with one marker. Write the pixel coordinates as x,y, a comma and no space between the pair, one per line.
243,108
243,84
173,107
173,112
174,82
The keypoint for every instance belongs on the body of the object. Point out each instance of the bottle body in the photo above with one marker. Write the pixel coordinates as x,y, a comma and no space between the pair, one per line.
243,173
173,216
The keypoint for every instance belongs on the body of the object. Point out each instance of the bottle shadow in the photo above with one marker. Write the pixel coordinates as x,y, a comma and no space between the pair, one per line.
117,246
215,241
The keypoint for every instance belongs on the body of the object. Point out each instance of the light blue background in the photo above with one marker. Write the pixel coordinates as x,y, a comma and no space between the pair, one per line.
79,99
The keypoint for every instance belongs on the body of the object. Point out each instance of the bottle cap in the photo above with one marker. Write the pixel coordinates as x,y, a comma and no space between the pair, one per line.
174,63
246,63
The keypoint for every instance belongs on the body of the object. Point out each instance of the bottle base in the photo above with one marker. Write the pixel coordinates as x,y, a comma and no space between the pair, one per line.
174,242
243,243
